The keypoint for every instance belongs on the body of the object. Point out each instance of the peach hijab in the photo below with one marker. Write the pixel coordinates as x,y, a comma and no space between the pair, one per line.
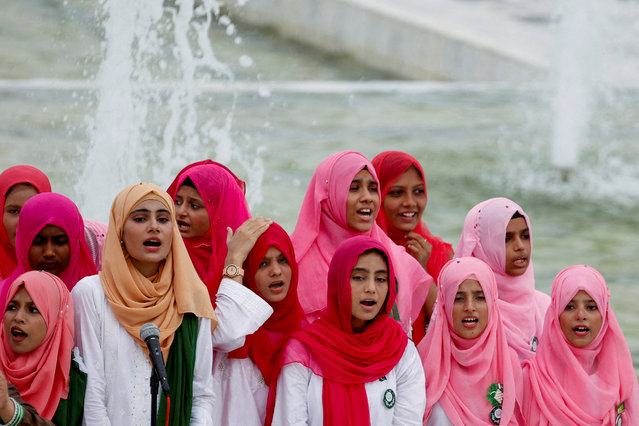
565,384
459,371
162,299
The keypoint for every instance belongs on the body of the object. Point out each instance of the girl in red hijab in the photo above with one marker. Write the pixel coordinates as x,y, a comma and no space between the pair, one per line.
37,338
17,185
355,364
242,377
403,198
208,198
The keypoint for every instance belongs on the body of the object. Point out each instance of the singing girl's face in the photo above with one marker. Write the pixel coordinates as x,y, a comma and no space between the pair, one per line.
581,320
24,326
362,203
470,311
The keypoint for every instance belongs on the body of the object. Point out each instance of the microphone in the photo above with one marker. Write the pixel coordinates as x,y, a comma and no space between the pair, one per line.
150,334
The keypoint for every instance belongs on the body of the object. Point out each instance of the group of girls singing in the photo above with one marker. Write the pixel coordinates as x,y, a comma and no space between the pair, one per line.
361,317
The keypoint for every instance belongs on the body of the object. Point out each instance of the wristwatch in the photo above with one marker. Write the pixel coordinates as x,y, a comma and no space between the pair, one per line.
232,271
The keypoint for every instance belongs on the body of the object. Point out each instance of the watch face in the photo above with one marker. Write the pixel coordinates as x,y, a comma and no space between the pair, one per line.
231,270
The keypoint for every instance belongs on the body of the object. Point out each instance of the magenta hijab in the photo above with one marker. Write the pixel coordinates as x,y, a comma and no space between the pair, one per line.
223,196
583,386
322,226
49,208
521,306
459,371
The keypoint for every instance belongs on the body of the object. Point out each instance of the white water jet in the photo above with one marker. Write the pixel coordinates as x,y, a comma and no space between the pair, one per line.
142,130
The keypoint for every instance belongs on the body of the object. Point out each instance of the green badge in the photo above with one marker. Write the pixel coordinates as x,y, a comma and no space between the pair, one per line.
496,398
383,378
389,398
620,409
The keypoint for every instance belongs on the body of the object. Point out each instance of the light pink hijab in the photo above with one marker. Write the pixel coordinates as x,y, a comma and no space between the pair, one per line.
460,371
322,226
569,385
521,306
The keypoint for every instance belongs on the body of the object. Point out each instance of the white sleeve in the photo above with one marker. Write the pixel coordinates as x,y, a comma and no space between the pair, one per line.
88,335
239,312
411,389
203,376
291,406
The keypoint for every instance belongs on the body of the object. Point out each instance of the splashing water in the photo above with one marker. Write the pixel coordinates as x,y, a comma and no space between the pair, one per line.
148,123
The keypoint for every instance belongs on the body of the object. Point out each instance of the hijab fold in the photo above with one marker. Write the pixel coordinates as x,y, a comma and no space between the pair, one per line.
459,371
42,375
322,226
570,385
223,196
9,178
175,290
521,306
390,166
344,359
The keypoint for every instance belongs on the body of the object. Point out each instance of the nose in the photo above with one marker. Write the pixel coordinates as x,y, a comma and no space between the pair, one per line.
49,250
180,210
369,285
518,244
409,199
154,225
19,315
275,270
469,305
581,312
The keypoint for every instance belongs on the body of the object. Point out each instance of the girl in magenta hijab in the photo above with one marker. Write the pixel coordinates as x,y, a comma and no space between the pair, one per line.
208,199
583,372
355,364
17,185
498,232
50,237
342,201
472,376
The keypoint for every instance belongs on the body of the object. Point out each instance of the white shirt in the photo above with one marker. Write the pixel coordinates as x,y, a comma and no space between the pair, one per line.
438,417
299,394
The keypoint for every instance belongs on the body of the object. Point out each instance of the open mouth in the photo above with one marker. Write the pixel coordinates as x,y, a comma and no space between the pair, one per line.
581,330
521,261
18,334
408,215
470,322
276,285
183,226
152,243
368,303
366,212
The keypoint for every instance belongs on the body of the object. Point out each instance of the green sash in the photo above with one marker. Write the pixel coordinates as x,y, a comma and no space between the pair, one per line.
179,369
71,410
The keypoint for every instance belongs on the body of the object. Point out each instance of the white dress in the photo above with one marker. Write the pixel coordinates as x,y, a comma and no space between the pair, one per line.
299,394
118,391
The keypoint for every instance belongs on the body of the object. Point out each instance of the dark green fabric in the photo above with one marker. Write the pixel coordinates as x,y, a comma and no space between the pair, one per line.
179,369
71,410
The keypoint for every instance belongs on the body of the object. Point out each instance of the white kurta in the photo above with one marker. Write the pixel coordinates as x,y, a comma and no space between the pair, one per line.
118,391
240,391
299,394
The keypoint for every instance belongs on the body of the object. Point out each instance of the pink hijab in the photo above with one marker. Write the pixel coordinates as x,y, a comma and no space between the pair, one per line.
322,226
346,360
42,375
223,195
483,236
569,385
45,209
459,372
10,177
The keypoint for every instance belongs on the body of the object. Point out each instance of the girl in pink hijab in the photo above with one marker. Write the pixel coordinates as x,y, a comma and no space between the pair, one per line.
498,232
342,201
472,376
17,185
50,236
583,372
208,198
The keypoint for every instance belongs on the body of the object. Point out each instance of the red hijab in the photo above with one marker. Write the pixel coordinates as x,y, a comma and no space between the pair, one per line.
45,209
346,360
223,196
10,177
264,346
42,375
390,166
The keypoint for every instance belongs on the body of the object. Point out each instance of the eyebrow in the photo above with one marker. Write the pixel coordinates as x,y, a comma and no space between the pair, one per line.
148,211
513,232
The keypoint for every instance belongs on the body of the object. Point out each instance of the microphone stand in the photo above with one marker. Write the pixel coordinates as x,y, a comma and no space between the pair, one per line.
155,384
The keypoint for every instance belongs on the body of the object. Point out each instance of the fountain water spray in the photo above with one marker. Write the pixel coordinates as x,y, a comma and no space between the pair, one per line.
147,124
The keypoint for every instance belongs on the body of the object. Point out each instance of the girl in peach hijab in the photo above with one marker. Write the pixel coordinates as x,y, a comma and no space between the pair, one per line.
583,372
147,276
472,376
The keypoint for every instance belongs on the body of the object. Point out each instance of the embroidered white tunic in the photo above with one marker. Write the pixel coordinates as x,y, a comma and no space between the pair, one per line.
299,394
118,391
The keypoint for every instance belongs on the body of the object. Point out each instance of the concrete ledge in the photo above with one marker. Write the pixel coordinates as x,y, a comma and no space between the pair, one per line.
434,39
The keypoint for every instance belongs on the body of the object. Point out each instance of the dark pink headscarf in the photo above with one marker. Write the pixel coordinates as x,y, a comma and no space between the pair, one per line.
223,196
45,209
584,386
346,360
42,375
521,306
322,226
10,177
390,166
459,371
